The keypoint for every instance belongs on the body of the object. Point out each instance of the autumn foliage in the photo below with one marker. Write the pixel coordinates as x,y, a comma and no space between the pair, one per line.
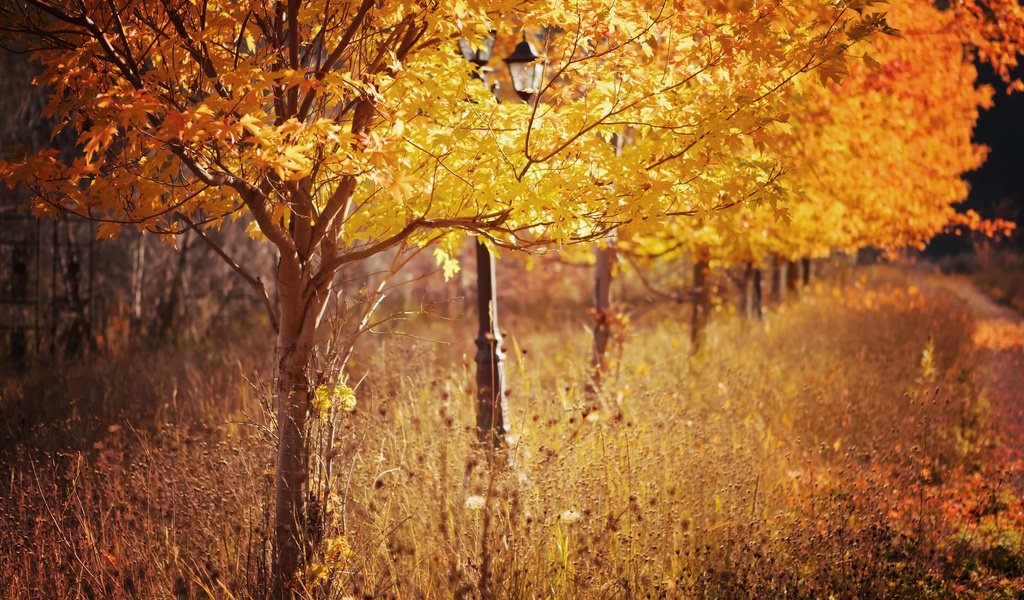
343,131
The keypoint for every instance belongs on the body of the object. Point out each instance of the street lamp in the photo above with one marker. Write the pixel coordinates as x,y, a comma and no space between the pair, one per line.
524,64
491,403
527,73
526,69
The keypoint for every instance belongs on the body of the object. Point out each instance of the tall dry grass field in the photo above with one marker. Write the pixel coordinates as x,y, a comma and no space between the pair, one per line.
840,448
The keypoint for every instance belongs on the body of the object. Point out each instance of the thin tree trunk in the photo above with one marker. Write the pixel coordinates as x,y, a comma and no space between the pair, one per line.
751,291
491,402
792,278
75,337
604,262
295,342
90,302
806,270
168,310
39,278
745,291
138,277
777,284
701,298
54,306
19,296
756,293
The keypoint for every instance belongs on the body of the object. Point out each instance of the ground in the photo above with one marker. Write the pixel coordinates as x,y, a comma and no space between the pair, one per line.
866,439
999,341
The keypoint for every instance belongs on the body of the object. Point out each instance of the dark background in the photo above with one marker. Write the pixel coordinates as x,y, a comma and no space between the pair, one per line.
997,188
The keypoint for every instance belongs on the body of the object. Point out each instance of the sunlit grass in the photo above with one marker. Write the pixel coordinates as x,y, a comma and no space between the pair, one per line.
839,448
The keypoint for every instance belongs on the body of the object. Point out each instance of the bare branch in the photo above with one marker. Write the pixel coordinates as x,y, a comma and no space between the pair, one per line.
255,281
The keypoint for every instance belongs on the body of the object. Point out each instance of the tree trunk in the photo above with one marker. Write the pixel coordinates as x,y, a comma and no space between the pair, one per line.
39,278
806,271
169,308
54,304
756,294
701,298
19,297
777,284
75,336
90,308
295,341
752,291
137,280
604,261
792,278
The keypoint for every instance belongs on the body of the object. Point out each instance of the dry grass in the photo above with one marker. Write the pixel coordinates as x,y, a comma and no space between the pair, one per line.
1004,282
839,449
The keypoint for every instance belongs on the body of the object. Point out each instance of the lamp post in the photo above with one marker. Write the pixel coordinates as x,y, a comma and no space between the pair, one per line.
526,71
491,404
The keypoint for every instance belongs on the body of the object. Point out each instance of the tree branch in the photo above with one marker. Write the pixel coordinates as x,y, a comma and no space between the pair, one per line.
254,281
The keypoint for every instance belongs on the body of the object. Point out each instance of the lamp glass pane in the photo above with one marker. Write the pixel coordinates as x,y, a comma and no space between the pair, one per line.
526,77
520,77
537,76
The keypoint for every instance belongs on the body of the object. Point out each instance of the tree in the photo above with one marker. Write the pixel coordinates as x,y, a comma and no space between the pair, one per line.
727,143
872,154
338,131
880,156
994,31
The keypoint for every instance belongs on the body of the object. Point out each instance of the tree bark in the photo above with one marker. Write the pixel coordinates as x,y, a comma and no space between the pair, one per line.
701,298
169,308
54,305
604,262
777,284
19,296
138,278
756,294
752,291
792,278
295,342
75,336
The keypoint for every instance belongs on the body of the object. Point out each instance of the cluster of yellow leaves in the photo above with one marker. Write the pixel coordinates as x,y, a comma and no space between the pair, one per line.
198,112
335,555
327,397
873,155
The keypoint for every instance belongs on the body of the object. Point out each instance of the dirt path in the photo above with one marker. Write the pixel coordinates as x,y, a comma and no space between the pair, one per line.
999,340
